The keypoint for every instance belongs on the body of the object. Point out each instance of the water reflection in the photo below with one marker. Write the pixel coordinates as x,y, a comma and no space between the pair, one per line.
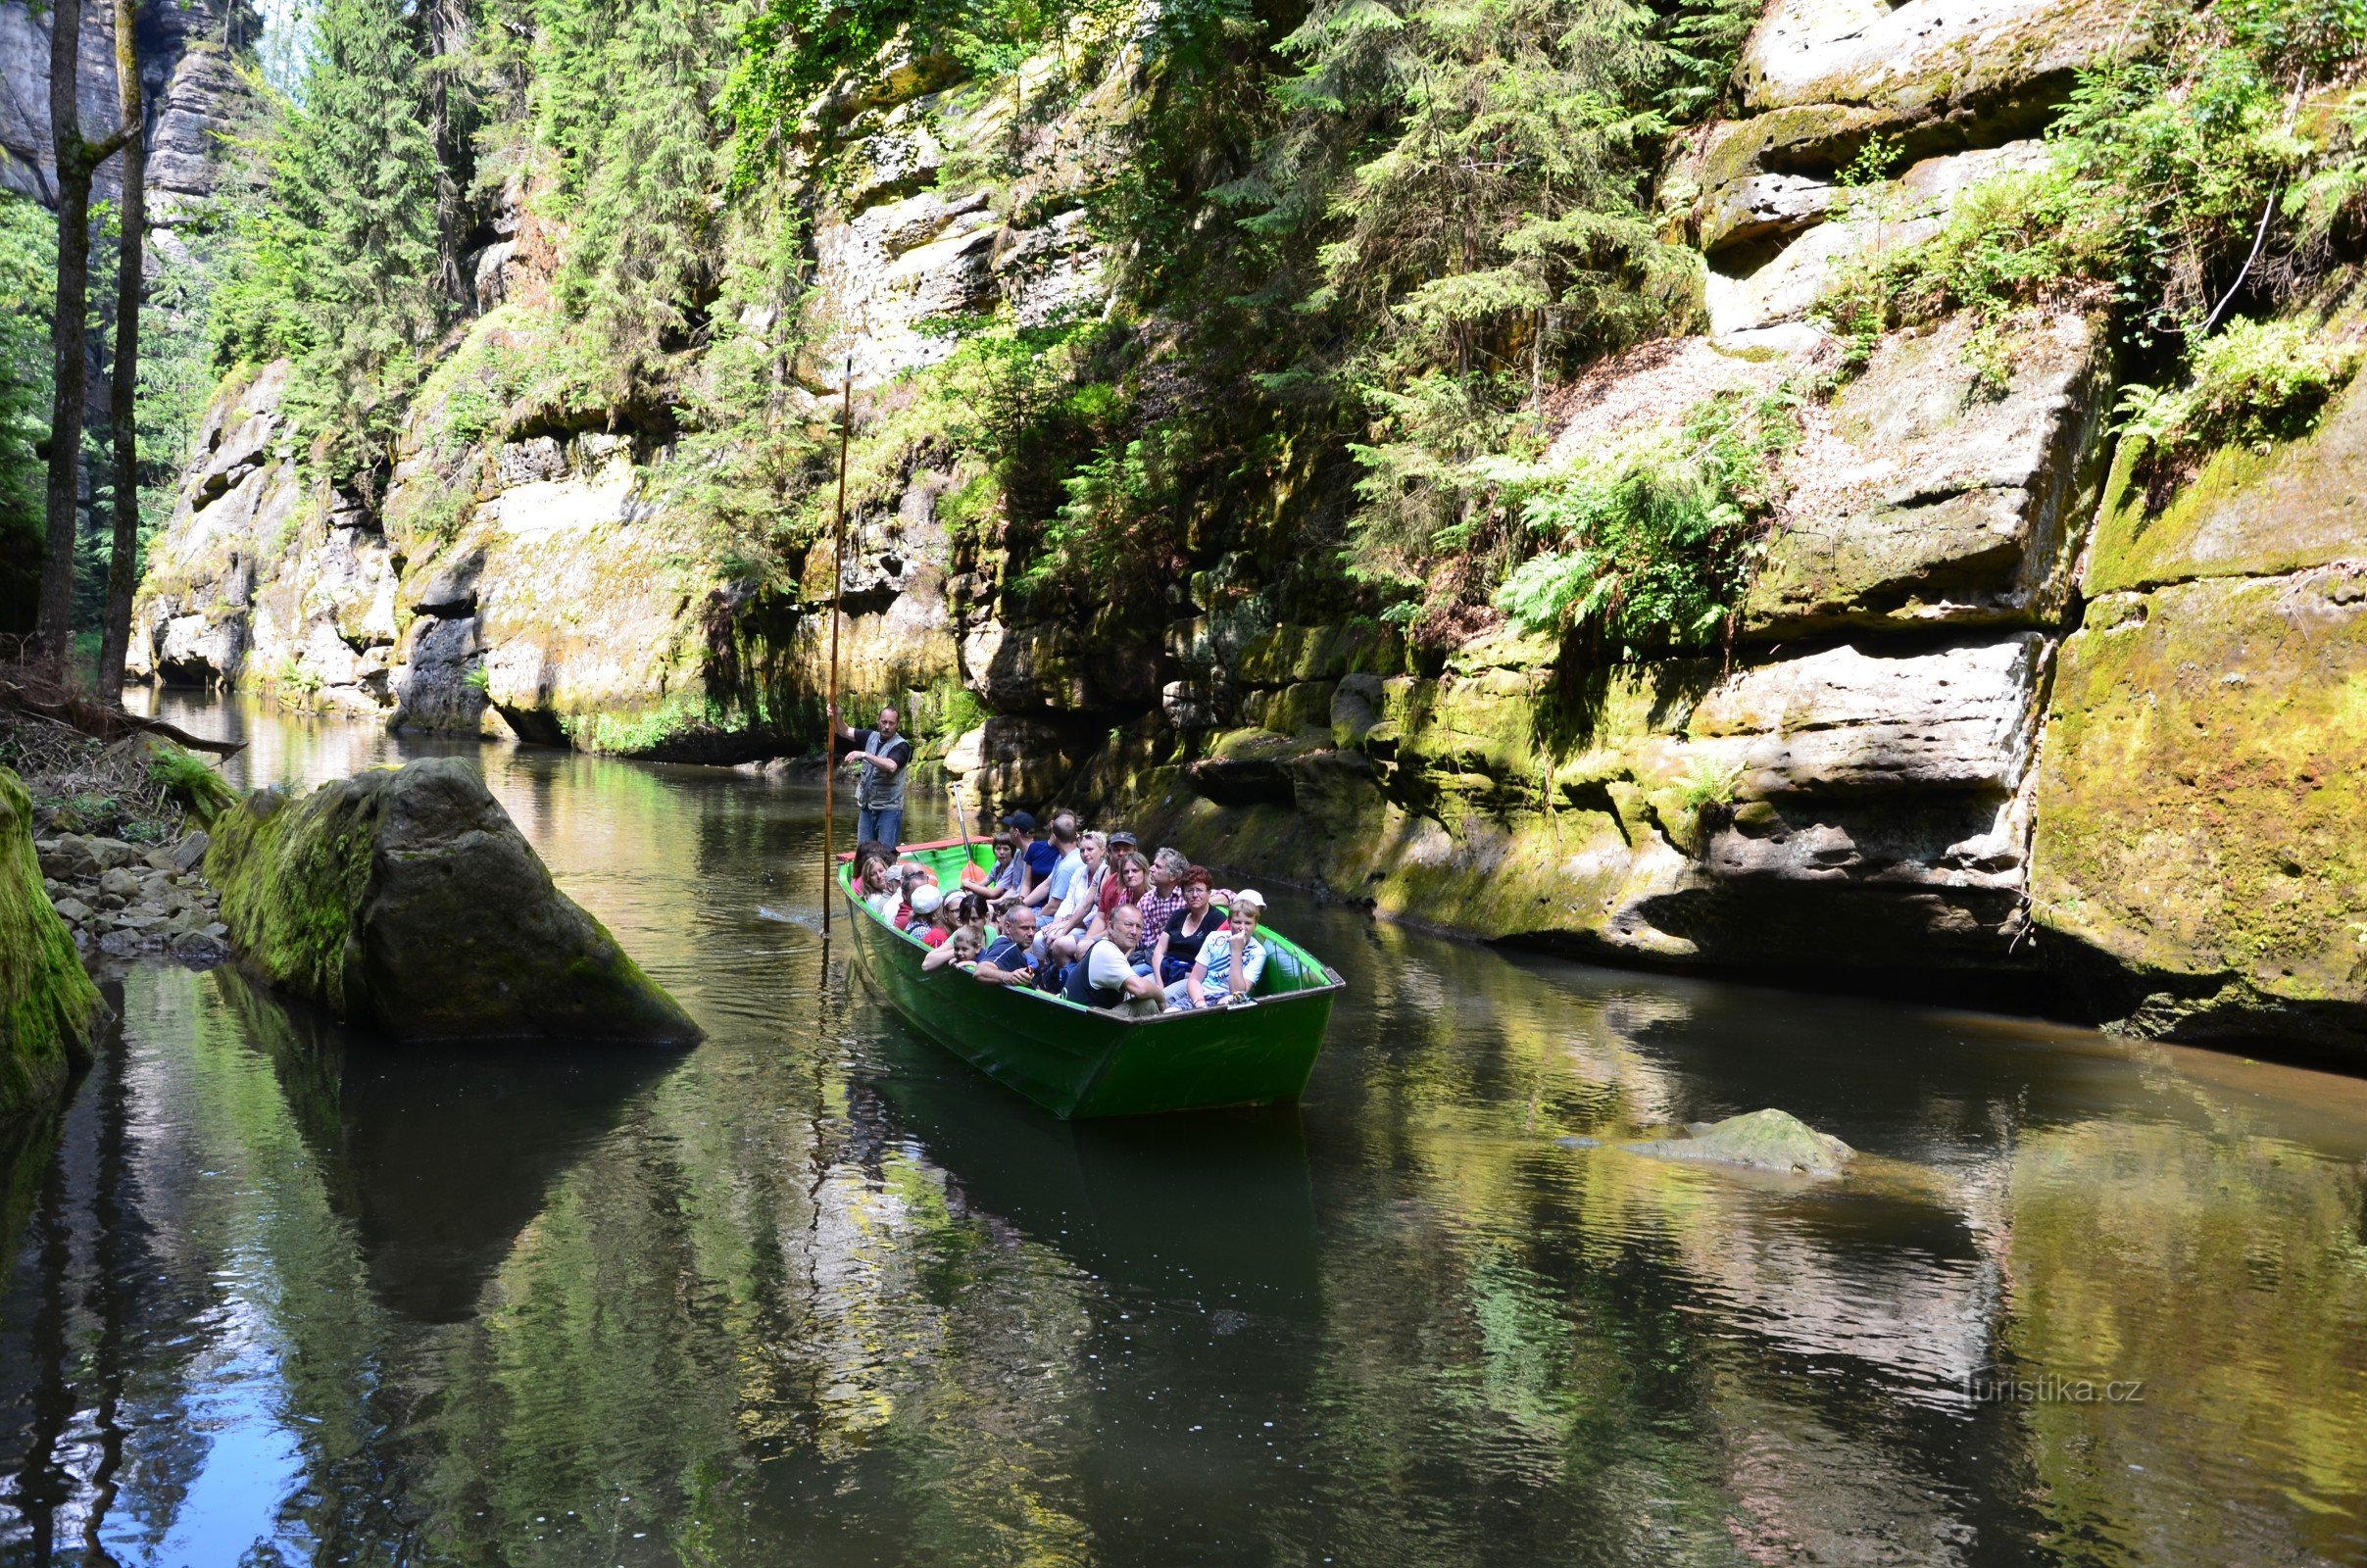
813,1293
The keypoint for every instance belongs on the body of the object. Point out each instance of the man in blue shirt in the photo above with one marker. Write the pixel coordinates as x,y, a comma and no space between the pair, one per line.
1005,962
1050,888
1032,860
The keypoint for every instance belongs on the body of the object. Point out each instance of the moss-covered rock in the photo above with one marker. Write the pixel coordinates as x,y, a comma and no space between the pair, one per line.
2247,514
48,1006
1762,1140
403,899
2200,798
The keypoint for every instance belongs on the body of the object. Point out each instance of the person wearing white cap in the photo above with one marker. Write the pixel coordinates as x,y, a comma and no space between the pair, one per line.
1230,960
920,900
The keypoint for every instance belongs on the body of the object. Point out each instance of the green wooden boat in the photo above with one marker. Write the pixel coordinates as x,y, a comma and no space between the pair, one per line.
1084,1061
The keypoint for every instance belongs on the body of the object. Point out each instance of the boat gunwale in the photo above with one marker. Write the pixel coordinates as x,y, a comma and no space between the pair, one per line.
843,879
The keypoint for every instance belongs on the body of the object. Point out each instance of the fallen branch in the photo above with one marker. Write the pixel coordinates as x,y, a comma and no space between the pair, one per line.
106,721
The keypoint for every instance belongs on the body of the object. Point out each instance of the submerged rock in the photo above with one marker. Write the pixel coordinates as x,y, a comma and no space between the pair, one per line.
47,1004
405,900
1762,1140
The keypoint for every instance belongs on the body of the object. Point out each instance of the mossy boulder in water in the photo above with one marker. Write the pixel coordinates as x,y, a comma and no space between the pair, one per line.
405,900
1764,1140
47,1004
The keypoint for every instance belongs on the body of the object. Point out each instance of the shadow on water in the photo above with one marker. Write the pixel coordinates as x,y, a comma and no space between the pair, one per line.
438,1154
1214,1207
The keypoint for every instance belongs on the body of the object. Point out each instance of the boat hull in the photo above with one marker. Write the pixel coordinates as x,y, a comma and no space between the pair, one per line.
1082,1061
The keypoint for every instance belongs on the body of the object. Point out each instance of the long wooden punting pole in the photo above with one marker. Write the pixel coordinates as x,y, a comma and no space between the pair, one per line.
838,594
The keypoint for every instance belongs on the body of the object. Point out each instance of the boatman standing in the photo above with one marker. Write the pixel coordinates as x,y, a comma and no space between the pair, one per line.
884,755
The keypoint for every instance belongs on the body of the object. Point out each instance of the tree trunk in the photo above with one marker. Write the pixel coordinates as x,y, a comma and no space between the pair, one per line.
67,331
447,35
122,567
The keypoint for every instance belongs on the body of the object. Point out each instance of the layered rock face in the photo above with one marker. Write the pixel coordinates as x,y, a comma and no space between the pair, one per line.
2199,792
539,586
405,898
191,87
1854,788
1942,741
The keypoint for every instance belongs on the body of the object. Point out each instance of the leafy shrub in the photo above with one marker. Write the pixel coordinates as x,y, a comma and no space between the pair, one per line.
2255,383
1707,784
1652,546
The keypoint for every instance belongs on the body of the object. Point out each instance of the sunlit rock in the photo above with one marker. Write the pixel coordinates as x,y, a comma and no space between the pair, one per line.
1762,1140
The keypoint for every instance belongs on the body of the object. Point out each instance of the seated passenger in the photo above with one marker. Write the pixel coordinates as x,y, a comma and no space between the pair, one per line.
1005,961
962,947
873,885
1070,929
921,900
1103,978
1166,895
1067,860
1002,879
1032,860
1176,948
1230,960
942,922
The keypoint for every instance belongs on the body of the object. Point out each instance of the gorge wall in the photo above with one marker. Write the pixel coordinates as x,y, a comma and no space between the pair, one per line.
1987,712
191,88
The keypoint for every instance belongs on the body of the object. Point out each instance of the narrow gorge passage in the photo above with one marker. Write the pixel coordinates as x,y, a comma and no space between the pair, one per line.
815,1294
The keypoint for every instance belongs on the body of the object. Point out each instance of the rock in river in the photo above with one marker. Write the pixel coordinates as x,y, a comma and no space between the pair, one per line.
405,900
1764,1140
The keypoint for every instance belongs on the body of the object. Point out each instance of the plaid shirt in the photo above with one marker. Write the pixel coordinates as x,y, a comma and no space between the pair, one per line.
1158,908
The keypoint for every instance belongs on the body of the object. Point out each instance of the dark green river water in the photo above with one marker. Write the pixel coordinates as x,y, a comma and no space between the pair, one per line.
815,1293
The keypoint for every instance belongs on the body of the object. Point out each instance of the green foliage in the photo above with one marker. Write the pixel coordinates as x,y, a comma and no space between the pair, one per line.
294,676
1702,40
1459,185
1651,546
191,780
334,265
28,272
1707,784
2184,179
633,112
939,716
2255,383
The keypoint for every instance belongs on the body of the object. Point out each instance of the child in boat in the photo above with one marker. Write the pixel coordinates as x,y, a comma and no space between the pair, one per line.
922,899
959,950
1230,960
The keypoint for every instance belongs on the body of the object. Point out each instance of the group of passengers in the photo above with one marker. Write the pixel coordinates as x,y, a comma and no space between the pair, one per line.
1082,914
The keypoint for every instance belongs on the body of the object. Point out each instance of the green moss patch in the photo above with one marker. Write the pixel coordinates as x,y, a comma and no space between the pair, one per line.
2200,795
405,900
48,1006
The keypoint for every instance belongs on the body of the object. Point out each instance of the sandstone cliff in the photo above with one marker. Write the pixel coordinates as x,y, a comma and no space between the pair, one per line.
1984,712
192,90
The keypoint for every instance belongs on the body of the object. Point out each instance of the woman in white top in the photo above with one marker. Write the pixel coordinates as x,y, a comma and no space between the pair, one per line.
1066,938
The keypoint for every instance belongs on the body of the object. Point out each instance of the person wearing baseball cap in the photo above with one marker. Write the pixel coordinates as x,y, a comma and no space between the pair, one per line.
1033,856
1230,960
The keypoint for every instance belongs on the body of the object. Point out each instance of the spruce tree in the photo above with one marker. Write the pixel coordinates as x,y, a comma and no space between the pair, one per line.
76,162
338,261
637,185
